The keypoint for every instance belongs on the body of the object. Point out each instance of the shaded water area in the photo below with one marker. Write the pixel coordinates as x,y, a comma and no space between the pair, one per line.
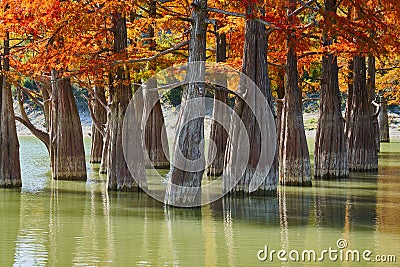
61,223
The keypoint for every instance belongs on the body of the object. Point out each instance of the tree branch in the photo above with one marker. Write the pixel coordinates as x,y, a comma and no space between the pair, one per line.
165,52
240,15
42,136
303,7
99,127
31,96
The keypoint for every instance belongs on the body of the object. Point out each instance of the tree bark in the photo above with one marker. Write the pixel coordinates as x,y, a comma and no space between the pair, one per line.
330,156
155,132
100,116
218,135
189,141
295,165
255,67
384,122
118,175
279,105
363,153
371,86
10,171
67,153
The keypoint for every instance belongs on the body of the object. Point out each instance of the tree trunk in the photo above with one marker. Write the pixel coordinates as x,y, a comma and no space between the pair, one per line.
371,97
350,87
295,165
118,175
363,153
330,156
279,105
184,185
10,171
100,116
218,135
384,122
155,133
67,153
255,67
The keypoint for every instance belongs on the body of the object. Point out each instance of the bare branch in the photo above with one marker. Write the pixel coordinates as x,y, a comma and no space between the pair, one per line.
165,52
302,8
99,127
31,96
240,15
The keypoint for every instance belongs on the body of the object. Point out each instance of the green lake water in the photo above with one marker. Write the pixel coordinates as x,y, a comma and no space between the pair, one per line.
61,223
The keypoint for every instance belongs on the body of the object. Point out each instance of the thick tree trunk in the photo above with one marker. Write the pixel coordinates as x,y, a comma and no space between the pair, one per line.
371,86
100,116
218,135
255,67
10,172
184,184
118,175
155,133
363,153
384,122
67,154
295,160
330,156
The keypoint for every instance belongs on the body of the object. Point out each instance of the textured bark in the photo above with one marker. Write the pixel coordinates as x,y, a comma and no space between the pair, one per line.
118,175
218,134
350,88
384,122
256,68
371,97
190,139
155,132
10,172
363,153
330,156
279,105
67,153
100,116
295,160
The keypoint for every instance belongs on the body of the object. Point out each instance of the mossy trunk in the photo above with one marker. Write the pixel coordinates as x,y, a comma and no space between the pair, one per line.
218,135
119,176
255,67
67,154
10,172
100,114
362,147
384,122
330,156
184,185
